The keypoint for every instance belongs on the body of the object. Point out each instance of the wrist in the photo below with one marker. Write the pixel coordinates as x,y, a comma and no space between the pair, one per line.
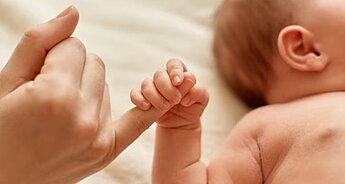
181,126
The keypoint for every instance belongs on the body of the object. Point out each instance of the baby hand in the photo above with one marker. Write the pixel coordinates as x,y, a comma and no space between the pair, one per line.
175,93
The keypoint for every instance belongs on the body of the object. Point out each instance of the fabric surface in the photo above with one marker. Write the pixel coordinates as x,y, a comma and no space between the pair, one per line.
135,38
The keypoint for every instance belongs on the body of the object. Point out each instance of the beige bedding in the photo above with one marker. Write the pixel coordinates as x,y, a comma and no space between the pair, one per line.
134,38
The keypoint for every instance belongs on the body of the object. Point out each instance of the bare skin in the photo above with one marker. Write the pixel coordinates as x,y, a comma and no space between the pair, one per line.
55,116
286,144
299,138
178,134
275,144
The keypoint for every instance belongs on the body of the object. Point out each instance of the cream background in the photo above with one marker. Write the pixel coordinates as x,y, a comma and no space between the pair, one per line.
135,38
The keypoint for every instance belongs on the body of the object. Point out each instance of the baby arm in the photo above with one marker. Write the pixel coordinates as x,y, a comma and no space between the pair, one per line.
240,160
178,134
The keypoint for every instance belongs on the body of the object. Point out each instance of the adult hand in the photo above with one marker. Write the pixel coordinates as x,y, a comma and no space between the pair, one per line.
55,117
42,133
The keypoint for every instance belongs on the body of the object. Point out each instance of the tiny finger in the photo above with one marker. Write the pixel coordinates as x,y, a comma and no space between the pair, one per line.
197,94
176,69
139,100
188,82
165,87
150,92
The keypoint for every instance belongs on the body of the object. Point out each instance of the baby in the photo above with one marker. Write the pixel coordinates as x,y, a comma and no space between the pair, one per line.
285,54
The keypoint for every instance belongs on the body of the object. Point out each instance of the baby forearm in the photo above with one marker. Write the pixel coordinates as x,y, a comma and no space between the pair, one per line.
177,156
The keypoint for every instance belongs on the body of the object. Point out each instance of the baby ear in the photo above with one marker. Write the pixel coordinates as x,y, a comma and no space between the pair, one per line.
297,47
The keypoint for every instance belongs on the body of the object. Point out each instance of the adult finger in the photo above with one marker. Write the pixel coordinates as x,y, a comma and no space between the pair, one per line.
104,141
28,57
65,62
135,121
175,69
131,125
93,78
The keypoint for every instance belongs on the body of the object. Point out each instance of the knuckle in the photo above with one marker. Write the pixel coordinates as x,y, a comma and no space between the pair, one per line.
148,94
158,73
86,127
98,60
76,43
59,101
32,33
32,91
133,96
201,94
159,80
99,150
57,98
191,77
103,151
174,62
100,154
145,85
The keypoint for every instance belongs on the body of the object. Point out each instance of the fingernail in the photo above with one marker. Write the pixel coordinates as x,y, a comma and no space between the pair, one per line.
177,79
65,12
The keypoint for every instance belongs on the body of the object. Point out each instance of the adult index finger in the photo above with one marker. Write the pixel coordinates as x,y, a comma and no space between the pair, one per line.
65,62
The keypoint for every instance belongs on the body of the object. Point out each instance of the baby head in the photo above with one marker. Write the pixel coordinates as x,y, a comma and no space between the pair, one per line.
275,51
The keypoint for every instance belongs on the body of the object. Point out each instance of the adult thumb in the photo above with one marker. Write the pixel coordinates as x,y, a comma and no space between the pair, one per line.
29,55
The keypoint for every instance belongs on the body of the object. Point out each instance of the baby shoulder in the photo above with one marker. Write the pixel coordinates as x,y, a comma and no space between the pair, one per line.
253,123
240,159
